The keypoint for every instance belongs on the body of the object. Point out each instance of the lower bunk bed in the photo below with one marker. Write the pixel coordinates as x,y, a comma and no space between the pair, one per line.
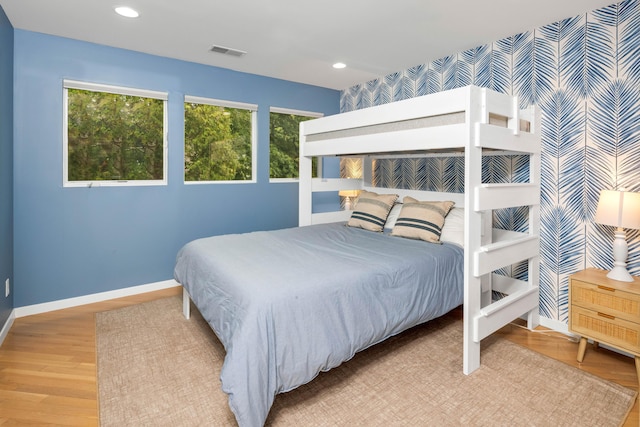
289,304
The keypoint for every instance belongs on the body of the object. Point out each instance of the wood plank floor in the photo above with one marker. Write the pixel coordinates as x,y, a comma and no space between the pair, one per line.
48,372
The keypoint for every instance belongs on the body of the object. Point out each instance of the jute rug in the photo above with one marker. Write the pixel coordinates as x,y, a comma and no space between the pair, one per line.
157,369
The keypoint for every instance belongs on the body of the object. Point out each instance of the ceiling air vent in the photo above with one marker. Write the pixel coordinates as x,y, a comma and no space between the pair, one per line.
227,51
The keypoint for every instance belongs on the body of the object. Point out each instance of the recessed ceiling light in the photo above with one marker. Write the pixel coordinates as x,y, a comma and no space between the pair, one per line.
339,65
127,12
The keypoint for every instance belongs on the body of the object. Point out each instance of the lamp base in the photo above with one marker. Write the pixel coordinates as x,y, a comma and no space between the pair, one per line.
620,251
347,204
620,273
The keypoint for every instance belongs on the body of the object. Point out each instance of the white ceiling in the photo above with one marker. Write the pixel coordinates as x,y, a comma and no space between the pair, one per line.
296,40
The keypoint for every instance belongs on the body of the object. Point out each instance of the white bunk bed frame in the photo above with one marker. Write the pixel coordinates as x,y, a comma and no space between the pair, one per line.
448,121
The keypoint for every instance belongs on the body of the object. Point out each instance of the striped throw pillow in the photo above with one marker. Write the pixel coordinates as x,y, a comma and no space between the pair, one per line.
371,210
421,220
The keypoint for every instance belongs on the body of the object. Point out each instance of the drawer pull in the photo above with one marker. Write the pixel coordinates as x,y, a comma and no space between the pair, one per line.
606,288
607,316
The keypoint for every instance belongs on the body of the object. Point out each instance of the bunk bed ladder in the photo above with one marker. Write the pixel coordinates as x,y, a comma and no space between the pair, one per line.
495,249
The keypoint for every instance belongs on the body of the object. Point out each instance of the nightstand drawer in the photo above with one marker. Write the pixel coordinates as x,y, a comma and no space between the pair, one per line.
607,300
605,328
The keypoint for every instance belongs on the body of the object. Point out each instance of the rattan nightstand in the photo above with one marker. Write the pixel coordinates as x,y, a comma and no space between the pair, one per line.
606,311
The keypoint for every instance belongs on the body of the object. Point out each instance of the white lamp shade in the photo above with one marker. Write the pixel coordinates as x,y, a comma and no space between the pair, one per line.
619,209
348,193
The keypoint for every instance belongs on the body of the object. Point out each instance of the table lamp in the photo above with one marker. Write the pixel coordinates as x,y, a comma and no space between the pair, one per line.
348,194
620,209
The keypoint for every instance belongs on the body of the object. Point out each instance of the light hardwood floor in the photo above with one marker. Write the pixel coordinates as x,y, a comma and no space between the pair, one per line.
48,372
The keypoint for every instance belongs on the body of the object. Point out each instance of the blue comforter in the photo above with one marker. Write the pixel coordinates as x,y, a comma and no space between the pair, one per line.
288,304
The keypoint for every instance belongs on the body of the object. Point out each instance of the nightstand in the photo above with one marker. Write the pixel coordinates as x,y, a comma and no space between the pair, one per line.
606,311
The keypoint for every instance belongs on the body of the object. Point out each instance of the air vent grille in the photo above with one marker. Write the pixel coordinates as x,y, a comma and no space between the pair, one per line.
227,51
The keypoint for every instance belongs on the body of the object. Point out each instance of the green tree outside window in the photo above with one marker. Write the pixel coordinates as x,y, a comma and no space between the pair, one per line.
114,137
217,143
284,145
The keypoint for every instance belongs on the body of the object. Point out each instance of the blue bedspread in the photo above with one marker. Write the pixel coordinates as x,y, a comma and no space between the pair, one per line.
288,304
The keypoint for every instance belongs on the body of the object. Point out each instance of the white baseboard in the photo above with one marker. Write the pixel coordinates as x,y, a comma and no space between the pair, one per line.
556,325
7,325
89,299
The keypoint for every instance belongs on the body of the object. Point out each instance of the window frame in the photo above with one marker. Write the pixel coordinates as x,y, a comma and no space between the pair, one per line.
254,137
117,90
280,110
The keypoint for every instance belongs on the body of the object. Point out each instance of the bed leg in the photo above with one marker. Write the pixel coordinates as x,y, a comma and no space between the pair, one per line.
186,304
471,356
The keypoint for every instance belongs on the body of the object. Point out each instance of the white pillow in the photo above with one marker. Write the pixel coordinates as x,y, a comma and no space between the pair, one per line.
453,229
393,216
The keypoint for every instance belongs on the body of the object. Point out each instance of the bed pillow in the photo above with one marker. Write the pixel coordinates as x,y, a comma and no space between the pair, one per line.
371,210
453,229
421,220
393,216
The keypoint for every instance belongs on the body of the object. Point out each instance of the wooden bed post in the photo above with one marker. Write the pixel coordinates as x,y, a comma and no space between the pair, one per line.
535,164
472,235
186,304
304,183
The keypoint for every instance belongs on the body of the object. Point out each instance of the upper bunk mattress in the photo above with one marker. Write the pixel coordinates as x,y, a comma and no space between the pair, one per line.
288,304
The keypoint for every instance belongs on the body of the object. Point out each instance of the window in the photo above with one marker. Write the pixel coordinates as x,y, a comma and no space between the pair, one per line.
219,140
113,135
284,128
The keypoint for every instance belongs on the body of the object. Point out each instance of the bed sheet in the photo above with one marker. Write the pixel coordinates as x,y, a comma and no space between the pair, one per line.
288,304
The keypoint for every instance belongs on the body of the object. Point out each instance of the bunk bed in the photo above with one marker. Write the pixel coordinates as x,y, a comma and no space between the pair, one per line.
469,119
337,289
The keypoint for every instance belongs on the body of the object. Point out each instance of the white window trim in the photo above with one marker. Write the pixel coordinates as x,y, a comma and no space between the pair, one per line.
254,137
97,87
295,112
281,110
119,90
220,103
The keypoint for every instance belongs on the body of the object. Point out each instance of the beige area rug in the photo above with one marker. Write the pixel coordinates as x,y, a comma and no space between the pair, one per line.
157,369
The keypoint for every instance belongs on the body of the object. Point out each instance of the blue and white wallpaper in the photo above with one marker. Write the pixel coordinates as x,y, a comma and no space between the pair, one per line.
584,73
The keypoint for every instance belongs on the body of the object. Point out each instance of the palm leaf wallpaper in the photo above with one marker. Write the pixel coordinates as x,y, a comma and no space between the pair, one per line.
584,74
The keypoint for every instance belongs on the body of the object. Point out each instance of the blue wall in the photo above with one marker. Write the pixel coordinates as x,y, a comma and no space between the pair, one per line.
6,163
77,241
